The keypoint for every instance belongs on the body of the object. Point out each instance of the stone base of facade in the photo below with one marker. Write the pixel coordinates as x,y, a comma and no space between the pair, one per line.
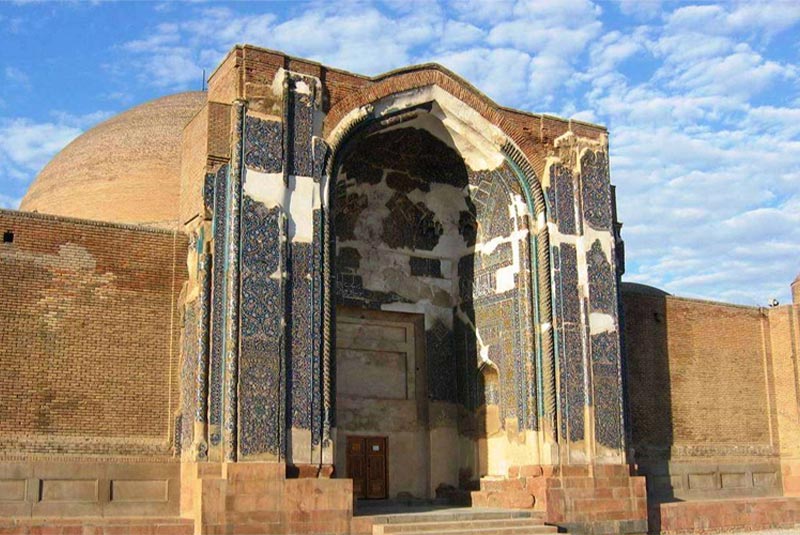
790,477
98,526
240,498
585,499
709,516
88,487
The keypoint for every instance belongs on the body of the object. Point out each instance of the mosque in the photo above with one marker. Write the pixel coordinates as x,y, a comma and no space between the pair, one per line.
309,301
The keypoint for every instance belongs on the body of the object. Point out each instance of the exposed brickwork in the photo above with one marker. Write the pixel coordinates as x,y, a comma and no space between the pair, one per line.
112,172
193,165
695,373
249,71
713,406
89,331
206,143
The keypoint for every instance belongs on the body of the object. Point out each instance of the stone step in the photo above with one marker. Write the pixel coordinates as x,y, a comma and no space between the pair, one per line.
467,528
506,525
465,515
511,499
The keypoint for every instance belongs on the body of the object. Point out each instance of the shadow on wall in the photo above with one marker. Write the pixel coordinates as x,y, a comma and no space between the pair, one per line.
419,231
648,392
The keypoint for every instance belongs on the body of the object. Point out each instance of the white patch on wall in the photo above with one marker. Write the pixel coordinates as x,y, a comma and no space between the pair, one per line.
430,311
298,200
601,323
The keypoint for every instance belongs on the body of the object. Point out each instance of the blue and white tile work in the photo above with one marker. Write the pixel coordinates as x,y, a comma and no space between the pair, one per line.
280,387
218,311
261,360
585,297
417,230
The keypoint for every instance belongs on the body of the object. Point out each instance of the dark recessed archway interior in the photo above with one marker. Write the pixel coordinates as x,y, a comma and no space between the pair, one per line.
418,231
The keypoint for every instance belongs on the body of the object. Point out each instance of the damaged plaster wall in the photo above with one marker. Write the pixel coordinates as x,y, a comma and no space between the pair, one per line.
585,301
419,231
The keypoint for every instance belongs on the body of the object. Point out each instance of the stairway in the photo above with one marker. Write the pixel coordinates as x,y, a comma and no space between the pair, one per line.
463,522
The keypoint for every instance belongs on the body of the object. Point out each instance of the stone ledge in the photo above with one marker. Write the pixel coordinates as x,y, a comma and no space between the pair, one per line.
710,516
98,526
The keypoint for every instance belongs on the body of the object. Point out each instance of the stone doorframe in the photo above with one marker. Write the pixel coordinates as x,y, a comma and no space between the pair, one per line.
396,107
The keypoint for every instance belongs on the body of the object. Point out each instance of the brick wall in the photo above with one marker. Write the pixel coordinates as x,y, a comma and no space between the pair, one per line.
193,165
88,336
701,396
248,72
696,372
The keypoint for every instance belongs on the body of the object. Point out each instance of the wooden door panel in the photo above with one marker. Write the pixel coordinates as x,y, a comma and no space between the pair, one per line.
376,468
356,466
366,466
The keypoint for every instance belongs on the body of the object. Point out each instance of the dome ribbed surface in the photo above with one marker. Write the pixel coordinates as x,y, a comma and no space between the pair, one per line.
124,170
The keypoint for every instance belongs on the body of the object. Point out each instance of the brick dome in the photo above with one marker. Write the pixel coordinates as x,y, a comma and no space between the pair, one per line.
124,170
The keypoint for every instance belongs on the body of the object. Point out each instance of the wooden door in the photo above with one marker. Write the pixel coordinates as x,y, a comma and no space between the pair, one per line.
366,466
376,468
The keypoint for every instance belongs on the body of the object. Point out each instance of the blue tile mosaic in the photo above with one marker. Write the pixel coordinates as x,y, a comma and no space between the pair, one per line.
316,331
602,281
564,206
216,361
263,145
595,190
300,160
568,284
608,411
410,225
208,193
574,373
441,363
299,314
262,310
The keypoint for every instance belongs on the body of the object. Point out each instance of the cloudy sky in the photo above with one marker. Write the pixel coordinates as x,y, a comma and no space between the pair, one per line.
701,99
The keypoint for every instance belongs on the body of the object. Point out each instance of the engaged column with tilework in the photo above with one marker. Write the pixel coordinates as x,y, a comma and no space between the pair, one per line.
602,309
586,318
280,278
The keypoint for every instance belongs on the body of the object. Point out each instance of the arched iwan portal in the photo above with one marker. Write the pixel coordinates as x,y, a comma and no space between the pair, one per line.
434,299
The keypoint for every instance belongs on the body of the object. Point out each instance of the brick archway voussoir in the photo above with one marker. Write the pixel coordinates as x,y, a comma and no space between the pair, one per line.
420,77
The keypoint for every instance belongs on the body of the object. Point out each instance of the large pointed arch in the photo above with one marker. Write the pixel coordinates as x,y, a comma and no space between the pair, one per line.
474,117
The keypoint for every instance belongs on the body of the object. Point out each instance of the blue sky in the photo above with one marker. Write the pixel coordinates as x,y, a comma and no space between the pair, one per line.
701,99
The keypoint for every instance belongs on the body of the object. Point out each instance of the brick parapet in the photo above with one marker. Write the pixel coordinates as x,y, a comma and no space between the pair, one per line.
248,72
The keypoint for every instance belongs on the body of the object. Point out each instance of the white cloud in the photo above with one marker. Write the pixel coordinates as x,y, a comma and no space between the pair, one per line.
640,9
9,203
17,76
26,146
703,117
456,34
759,18
483,12
503,73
